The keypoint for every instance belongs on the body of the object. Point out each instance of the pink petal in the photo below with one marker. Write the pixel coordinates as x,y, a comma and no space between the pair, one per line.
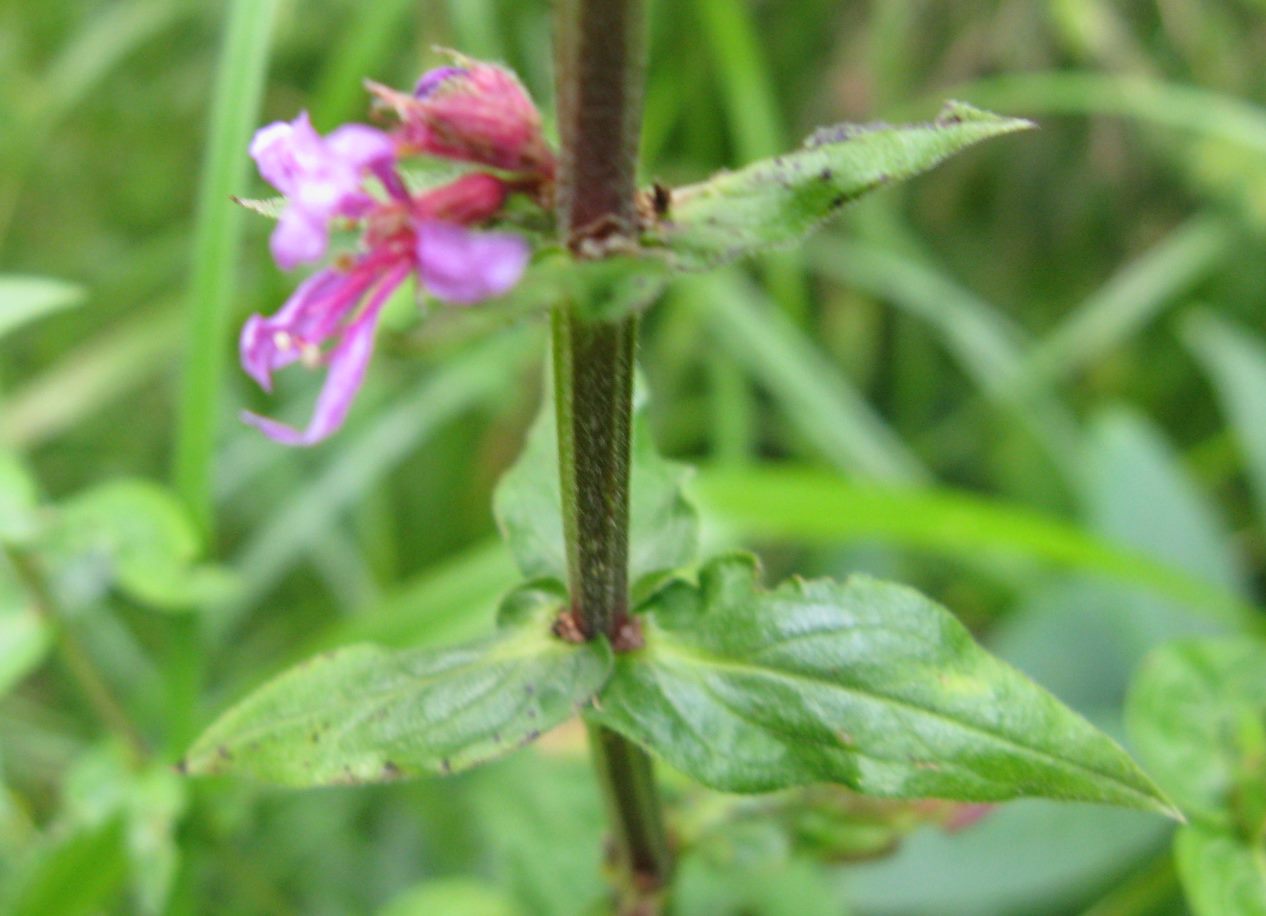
348,362
300,237
461,266
361,147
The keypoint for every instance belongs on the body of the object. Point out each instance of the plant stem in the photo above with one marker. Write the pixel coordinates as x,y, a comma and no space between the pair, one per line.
599,62
593,374
78,662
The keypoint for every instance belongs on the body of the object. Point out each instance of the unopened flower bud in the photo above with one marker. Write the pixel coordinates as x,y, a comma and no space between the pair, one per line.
474,112
467,201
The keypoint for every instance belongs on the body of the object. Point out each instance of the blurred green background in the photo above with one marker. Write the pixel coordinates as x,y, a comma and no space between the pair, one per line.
1032,384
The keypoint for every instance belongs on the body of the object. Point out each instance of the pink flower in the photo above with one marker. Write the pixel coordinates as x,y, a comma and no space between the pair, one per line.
330,320
321,177
478,113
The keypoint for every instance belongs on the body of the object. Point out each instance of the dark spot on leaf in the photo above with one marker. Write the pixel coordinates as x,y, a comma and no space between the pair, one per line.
224,753
841,133
529,689
181,766
446,766
530,737
496,737
826,175
390,770
838,201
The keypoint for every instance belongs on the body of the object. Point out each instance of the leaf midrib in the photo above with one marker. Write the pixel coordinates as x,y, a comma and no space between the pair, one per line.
689,655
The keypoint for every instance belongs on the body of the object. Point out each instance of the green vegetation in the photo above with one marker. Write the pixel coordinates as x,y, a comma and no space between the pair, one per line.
1032,385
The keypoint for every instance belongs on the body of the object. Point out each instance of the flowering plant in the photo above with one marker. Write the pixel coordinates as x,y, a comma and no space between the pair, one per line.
862,684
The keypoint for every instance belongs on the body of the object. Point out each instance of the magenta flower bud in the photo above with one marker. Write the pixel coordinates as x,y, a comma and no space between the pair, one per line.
467,201
433,79
322,179
476,112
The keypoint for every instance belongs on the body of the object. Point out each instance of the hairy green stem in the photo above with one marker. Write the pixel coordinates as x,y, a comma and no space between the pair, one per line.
599,64
593,366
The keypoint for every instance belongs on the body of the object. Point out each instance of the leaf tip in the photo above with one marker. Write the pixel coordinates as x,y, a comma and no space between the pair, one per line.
955,112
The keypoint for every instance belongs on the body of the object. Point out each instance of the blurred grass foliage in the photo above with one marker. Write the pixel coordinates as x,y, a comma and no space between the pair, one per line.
1030,384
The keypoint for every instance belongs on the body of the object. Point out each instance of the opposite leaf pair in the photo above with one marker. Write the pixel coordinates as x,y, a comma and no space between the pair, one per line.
865,684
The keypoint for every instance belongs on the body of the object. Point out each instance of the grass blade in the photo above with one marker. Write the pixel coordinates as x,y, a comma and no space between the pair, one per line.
817,507
239,87
816,398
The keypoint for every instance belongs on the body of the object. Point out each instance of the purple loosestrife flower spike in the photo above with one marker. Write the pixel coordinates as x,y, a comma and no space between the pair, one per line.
321,177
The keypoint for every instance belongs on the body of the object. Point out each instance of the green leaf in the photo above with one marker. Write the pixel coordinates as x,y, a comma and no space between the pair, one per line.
452,896
19,498
76,874
104,784
27,299
749,868
663,527
1235,361
867,684
366,714
24,641
1191,714
1220,874
147,539
781,200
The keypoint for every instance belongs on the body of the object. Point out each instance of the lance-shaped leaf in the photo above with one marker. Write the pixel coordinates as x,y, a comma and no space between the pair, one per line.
866,684
663,526
779,201
367,714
